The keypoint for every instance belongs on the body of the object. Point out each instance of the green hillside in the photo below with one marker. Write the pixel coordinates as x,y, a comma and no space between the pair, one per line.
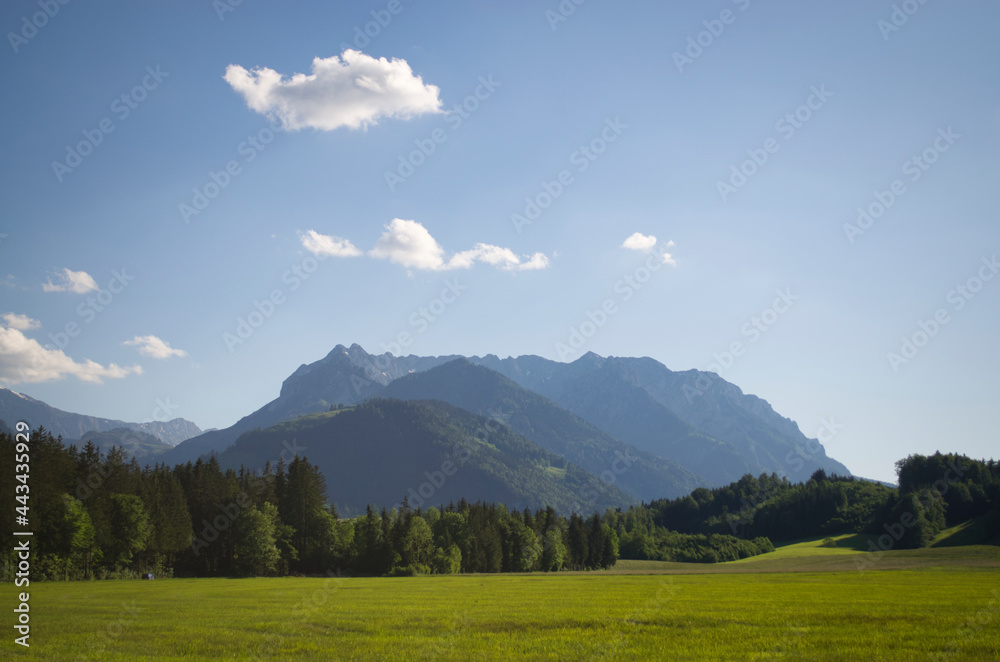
430,452
486,392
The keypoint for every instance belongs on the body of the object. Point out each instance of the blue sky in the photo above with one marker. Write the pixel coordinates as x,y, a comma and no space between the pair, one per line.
614,121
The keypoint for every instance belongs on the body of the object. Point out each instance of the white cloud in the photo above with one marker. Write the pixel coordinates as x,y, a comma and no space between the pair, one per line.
321,244
154,347
639,242
408,243
667,257
79,282
353,90
647,243
20,322
25,360
498,257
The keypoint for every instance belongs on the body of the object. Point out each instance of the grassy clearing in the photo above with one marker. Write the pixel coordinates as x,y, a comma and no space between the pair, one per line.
852,554
976,530
742,610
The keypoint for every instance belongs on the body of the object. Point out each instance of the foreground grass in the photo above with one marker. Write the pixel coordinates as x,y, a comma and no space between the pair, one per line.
733,612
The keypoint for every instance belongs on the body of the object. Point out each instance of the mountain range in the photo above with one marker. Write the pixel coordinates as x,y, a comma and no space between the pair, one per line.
597,432
16,406
677,430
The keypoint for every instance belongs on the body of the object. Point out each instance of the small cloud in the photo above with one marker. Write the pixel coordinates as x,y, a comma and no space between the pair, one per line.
20,322
667,257
321,244
408,243
639,242
647,243
353,90
23,360
154,347
79,282
503,258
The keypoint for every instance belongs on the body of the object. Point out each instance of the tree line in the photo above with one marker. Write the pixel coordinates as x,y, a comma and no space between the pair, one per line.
97,515
934,492
103,516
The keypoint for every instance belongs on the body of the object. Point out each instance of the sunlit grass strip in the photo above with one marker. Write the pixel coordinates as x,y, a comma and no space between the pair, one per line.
889,615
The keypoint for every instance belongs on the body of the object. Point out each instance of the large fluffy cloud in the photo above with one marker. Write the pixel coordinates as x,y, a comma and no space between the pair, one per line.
353,90
25,360
408,243
154,347
79,282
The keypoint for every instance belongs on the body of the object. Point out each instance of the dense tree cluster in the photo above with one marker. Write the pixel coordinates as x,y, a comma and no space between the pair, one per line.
97,516
934,492
640,537
775,508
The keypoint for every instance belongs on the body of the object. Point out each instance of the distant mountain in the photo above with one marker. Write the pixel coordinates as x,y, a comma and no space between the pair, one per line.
344,376
143,446
483,391
431,452
16,406
696,420
608,399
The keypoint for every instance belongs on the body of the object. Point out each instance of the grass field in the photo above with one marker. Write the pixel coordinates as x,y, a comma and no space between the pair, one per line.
909,605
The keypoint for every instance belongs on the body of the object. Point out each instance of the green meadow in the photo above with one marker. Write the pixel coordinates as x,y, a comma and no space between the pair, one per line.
803,601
